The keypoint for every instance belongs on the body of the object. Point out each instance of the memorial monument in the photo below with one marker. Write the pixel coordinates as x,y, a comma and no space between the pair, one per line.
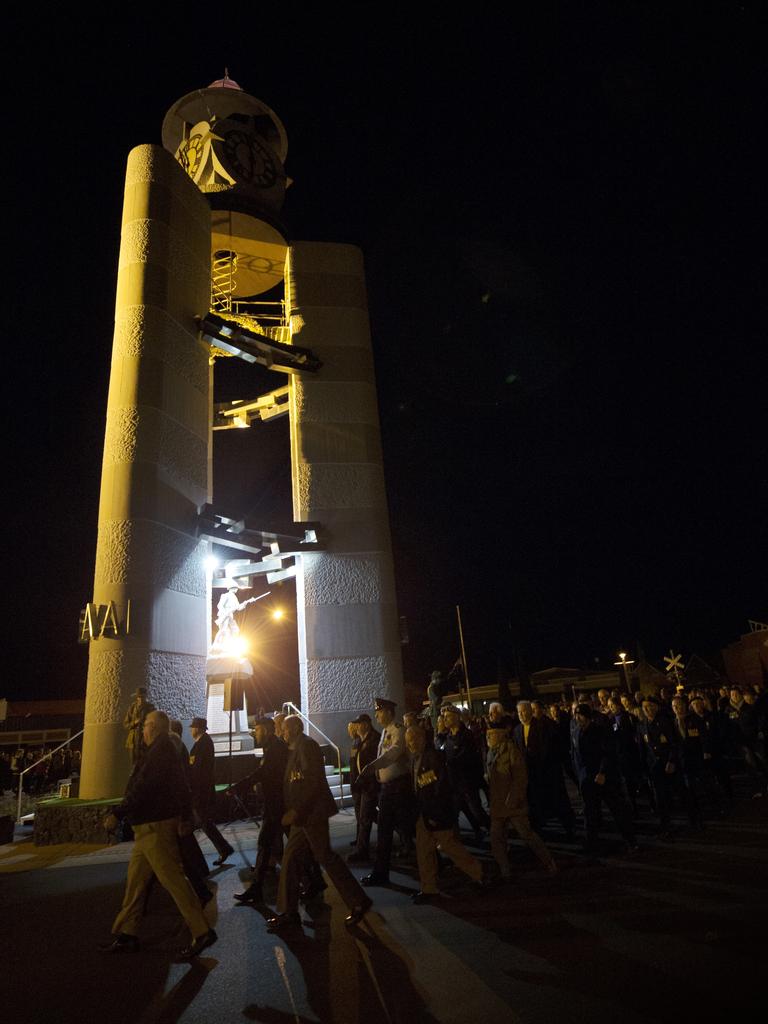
202,240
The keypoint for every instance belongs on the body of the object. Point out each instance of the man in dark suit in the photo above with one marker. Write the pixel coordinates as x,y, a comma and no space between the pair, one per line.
547,796
663,757
596,764
627,748
195,864
269,775
465,770
201,782
365,788
308,806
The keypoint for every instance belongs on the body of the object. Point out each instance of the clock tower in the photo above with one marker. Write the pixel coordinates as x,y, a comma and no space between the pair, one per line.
202,246
233,147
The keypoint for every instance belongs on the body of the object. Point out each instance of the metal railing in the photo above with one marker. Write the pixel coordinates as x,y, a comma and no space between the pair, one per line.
328,740
29,769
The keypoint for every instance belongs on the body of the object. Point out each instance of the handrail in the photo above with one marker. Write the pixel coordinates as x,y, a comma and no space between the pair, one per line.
328,740
29,769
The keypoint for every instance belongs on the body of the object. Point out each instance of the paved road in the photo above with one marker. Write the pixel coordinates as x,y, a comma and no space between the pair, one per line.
674,933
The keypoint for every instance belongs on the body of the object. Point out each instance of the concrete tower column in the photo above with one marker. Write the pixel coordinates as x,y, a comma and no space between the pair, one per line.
155,469
349,648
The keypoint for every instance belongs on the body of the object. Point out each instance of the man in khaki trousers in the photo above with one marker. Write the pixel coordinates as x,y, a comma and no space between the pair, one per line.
436,817
157,803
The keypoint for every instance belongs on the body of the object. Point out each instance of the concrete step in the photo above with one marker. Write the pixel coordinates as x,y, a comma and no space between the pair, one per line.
335,788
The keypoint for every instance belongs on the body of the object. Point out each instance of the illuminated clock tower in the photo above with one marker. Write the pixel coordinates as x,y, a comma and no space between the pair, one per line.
202,240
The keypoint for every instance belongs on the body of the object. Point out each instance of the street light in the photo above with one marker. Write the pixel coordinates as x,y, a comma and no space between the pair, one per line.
624,662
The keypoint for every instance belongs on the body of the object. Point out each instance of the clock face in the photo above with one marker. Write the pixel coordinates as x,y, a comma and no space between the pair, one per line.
248,159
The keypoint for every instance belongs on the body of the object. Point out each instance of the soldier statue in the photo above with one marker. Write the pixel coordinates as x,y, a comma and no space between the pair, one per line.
133,723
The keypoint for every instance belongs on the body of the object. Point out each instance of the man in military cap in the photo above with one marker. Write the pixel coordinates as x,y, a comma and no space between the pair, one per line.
391,770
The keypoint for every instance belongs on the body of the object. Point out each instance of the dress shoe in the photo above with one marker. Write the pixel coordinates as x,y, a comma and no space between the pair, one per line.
281,921
223,856
196,946
121,943
356,914
205,900
375,879
310,891
252,894
423,897
359,857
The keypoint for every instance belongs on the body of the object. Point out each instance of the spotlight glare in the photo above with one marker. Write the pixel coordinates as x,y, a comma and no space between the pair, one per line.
237,647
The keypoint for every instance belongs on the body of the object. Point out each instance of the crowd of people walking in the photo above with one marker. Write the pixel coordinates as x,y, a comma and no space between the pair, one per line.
444,784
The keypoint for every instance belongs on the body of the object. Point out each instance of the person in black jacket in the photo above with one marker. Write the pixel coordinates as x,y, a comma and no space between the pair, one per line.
195,864
436,816
627,747
365,788
465,770
269,775
661,743
547,795
201,782
747,733
158,806
308,806
594,758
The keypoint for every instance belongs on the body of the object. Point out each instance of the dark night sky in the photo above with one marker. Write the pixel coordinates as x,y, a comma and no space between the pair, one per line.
560,222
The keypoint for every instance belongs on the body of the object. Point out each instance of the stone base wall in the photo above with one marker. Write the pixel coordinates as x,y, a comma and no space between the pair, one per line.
70,823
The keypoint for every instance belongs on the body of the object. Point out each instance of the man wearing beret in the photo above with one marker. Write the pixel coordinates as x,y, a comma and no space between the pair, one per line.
391,770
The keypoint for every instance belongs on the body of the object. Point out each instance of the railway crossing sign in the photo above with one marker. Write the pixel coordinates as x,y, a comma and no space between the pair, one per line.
674,664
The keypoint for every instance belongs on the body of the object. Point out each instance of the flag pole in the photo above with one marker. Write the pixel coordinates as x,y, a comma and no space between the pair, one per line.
464,659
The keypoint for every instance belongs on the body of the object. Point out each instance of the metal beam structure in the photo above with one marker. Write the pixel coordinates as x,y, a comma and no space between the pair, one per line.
240,415
232,336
